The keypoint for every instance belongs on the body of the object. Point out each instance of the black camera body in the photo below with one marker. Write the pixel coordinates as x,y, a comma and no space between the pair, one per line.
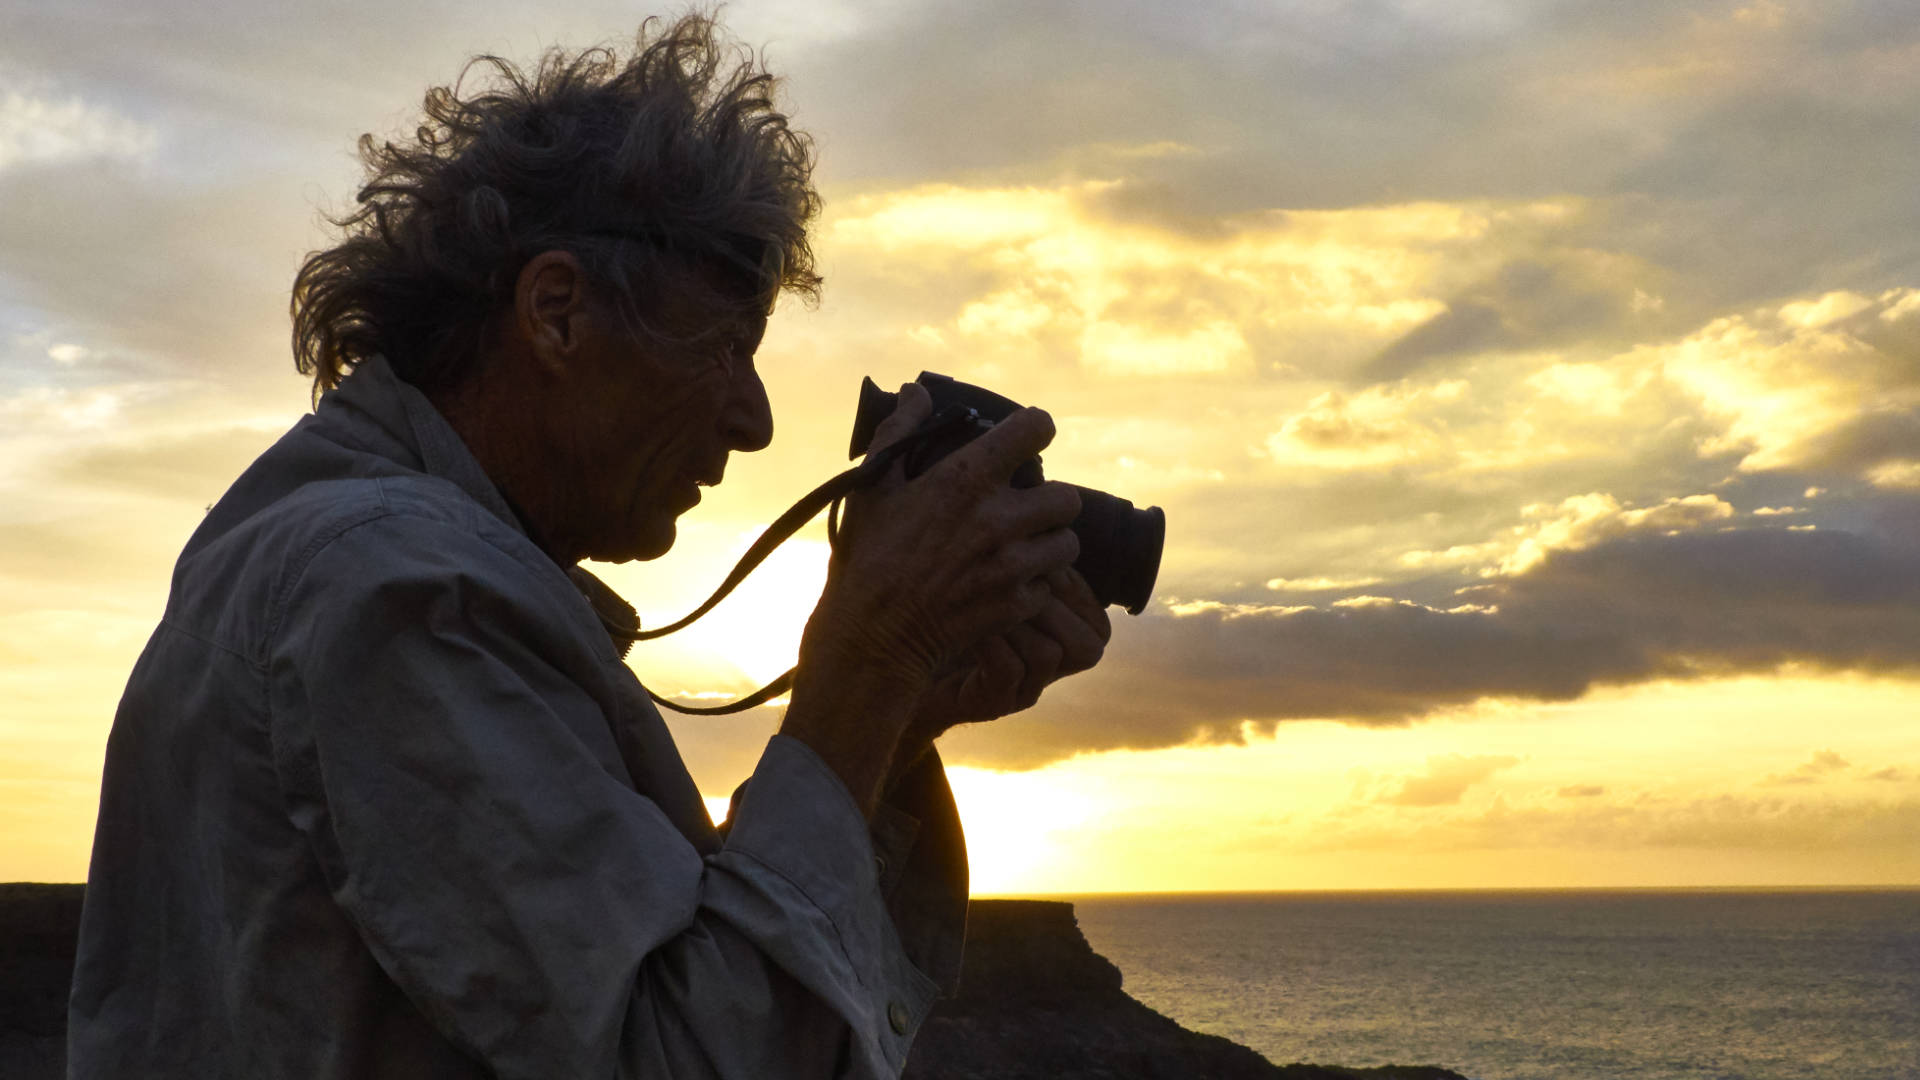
1120,545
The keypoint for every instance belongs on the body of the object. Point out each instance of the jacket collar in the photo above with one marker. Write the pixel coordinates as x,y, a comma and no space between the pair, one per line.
389,416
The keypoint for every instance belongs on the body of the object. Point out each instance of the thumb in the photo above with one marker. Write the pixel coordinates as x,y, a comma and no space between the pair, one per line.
910,410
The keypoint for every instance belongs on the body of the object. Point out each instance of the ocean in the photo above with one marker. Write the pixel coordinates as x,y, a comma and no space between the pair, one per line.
1588,985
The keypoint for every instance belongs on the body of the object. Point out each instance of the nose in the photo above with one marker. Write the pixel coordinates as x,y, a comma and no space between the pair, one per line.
747,423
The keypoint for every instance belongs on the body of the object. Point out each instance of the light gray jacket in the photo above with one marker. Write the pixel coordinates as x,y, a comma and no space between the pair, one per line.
382,800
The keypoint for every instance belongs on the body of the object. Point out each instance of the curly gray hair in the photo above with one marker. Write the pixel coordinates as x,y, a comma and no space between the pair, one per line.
669,174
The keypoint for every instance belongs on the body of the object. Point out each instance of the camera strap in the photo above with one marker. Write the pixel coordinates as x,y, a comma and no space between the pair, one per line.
827,497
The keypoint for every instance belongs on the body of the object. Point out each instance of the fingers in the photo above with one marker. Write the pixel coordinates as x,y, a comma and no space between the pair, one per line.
1073,591
997,667
1067,635
1040,660
1080,632
1033,557
1009,586
1051,505
989,461
1017,534
1008,671
1008,674
911,409
998,609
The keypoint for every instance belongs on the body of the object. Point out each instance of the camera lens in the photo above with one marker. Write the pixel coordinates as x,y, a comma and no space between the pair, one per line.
1119,548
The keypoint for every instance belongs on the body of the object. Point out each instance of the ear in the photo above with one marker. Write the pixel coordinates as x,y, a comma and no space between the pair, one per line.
549,305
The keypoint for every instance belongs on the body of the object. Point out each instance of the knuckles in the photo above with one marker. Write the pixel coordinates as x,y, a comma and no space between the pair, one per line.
1066,498
1041,423
1048,654
1068,544
1030,599
957,554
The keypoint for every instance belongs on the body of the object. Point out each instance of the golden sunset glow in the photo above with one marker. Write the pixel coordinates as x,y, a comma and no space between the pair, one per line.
1534,400
1635,785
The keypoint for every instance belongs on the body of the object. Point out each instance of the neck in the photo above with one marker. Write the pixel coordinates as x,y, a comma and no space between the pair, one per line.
493,418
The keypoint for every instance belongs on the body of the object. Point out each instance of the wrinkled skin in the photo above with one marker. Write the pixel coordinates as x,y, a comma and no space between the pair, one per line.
952,599
601,441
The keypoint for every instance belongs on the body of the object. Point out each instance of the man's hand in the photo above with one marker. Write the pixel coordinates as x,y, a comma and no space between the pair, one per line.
927,572
1007,672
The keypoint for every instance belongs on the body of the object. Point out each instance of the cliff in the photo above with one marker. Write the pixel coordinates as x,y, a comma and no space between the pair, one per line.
1036,1003
38,924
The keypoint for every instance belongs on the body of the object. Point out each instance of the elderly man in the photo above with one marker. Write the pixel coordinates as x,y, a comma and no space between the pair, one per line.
381,798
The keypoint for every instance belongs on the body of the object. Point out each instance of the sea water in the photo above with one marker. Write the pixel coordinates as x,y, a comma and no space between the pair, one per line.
1607,985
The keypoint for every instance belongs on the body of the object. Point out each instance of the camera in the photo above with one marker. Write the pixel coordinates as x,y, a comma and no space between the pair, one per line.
1120,545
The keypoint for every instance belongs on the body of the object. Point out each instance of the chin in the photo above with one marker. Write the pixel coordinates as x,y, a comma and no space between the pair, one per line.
653,544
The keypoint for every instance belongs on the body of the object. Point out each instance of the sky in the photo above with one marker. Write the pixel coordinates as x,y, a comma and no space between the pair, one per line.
1532,389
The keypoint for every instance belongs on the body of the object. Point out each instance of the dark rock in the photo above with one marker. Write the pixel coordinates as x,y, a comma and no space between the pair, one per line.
1037,1003
39,925
38,928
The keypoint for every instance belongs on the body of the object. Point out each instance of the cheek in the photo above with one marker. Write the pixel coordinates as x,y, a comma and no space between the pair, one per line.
662,448
661,427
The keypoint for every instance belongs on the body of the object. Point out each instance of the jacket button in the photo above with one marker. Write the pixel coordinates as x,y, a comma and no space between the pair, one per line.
897,1016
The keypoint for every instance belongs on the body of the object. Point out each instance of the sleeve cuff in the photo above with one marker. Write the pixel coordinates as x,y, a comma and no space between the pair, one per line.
797,817
926,886
798,841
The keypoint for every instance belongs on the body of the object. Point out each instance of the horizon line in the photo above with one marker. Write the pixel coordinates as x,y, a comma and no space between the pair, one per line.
1458,889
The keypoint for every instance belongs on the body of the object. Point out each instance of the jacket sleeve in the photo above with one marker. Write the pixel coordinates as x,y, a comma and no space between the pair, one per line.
463,799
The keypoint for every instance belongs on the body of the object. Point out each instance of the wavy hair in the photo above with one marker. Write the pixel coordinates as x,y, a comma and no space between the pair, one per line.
655,172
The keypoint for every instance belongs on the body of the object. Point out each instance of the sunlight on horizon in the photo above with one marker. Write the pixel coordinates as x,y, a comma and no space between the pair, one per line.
1476,800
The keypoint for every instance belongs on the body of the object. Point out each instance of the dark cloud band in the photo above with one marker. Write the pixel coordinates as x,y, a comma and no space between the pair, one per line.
1635,609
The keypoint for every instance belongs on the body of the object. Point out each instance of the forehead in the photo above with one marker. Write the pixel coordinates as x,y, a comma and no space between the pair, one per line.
732,303
722,293
696,305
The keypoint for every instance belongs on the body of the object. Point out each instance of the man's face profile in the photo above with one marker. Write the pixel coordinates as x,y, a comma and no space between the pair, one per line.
637,427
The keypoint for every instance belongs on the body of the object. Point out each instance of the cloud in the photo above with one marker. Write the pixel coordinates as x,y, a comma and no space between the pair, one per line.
1055,269
1730,821
1576,523
1447,779
1719,823
1528,303
1635,608
155,281
1320,584
1372,428
1831,383
91,562
48,409
198,466
1582,791
41,130
1714,137
1821,765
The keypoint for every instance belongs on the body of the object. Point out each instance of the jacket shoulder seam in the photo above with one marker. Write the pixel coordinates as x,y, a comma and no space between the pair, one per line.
290,578
167,620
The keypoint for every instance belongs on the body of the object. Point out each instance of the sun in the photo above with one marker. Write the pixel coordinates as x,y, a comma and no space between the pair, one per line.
1012,822
751,638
